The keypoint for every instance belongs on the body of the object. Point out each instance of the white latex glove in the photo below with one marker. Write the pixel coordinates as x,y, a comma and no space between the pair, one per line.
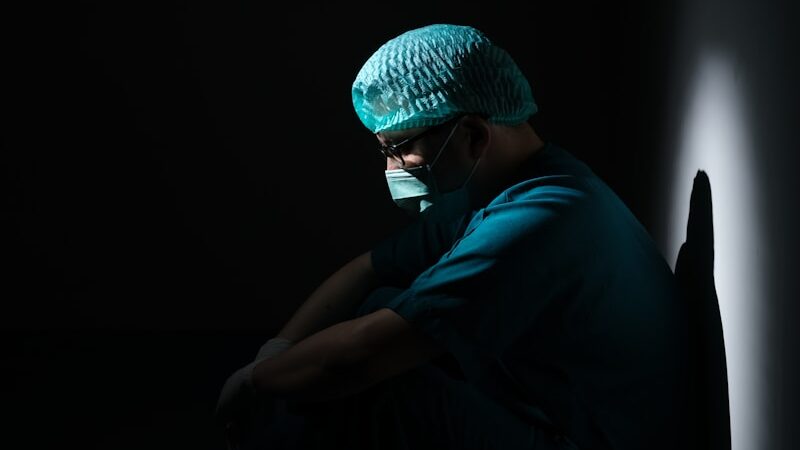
273,347
238,394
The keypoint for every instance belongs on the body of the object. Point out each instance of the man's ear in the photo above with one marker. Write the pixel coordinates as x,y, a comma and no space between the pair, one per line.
479,134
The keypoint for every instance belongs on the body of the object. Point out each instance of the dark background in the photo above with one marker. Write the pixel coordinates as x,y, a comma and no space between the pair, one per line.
178,177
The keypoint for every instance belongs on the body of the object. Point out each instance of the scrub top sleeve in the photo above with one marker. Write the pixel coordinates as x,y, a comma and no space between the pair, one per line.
401,257
491,286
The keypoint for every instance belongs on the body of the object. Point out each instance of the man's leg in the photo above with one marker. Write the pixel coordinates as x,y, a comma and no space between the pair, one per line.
362,421
421,409
438,411
270,426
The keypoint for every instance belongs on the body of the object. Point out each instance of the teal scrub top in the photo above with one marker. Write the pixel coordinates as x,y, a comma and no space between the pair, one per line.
554,301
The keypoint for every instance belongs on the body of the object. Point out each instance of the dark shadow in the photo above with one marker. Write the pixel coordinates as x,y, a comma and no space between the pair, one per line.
694,271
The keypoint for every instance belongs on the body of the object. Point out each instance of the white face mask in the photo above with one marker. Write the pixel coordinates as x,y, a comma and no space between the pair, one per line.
414,189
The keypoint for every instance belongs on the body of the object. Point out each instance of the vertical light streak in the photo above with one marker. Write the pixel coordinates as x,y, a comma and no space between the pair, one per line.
714,137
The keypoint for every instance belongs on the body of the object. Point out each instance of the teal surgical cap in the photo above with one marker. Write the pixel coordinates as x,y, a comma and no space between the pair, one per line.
428,75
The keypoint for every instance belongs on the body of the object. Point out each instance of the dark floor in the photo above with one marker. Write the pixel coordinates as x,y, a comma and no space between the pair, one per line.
111,390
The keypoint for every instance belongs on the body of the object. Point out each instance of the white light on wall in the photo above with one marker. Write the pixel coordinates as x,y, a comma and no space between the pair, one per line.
715,139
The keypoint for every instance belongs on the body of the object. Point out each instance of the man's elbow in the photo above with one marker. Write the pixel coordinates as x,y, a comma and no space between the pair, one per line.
352,347
387,345
310,382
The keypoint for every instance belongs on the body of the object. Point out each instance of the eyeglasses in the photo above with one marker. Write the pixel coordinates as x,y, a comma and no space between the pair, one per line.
395,152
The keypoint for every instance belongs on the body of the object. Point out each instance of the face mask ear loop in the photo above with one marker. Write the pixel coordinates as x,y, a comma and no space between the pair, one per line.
447,141
472,172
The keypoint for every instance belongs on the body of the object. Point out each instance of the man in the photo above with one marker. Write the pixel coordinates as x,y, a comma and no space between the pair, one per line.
525,307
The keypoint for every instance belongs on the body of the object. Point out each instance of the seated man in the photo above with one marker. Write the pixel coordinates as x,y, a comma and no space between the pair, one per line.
525,307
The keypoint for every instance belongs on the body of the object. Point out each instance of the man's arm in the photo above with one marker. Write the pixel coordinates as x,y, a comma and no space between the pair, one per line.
345,358
334,300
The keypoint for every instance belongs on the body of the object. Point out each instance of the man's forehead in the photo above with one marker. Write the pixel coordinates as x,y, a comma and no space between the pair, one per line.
396,136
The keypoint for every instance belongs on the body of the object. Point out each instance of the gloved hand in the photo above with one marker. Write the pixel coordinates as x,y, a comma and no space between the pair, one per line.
273,347
237,396
237,401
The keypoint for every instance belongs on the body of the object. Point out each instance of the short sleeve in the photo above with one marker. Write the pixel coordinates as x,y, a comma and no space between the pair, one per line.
401,257
494,282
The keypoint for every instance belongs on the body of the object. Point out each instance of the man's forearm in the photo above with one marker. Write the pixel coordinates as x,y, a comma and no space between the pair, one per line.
346,358
334,300
321,367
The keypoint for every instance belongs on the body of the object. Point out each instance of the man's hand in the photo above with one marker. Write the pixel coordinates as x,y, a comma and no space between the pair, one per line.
238,391
237,397
273,347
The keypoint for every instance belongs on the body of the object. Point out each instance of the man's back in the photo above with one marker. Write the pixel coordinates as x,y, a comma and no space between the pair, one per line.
555,302
607,359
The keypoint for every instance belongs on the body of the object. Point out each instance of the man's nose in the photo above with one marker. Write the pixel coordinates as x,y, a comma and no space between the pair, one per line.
393,164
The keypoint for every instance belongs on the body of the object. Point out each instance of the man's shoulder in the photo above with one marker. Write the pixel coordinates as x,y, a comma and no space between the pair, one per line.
559,190
552,170
554,159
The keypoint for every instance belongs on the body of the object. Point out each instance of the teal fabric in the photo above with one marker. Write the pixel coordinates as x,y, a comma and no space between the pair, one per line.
429,75
555,302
